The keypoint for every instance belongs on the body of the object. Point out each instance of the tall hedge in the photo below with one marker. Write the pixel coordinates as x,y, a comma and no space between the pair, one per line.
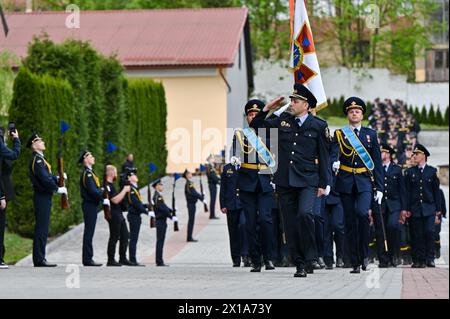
39,103
72,82
147,113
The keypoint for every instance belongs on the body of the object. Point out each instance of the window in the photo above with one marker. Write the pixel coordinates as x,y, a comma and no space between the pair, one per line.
437,65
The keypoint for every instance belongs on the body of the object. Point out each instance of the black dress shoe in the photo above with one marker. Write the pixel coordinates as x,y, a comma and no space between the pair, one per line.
315,265
300,273
45,263
162,265
309,269
383,265
415,265
365,264
92,264
339,263
136,264
256,268
269,265
431,264
355,270
214,217
329,266
237,263
113,263
321,263
246,261
192,240
125,262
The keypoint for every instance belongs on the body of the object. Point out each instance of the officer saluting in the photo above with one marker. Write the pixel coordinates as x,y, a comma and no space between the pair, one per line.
424,206
192,196
45,184
162,212
302,171
92,196
356,160
393,203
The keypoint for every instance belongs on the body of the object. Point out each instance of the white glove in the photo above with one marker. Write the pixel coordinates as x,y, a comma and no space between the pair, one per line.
62,190
174,219
235,161
281,110
106,202
336,166
273,185
151,214
205,201
65,176
379,197
327,190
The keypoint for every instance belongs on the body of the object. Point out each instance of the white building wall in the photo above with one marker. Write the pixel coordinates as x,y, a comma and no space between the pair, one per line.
273,79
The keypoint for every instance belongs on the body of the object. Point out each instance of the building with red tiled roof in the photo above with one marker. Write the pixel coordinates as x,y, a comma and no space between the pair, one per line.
202,57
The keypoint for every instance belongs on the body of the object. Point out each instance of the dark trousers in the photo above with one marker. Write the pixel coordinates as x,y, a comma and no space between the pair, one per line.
212,201
297,206
191,219
135,227
258,211
2,234
90,220
319,225
423,238
243,239
333,216
233,218
161,227
356,213
42,208
392,228
118,231
280,247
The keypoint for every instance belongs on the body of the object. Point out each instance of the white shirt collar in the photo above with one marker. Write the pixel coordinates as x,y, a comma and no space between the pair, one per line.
357,127
422,167
387,164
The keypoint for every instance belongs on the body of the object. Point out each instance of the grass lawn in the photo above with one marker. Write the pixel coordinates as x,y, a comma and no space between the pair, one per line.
16,247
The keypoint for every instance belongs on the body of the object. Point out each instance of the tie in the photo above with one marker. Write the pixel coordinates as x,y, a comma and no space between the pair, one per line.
356,131
385,168
297,120
421,170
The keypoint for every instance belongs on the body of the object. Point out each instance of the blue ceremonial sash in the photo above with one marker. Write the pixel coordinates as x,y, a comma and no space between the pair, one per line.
359,148
259,146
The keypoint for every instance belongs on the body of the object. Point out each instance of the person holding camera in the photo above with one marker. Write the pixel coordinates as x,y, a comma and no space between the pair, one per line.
92,195
118,229
6,155
45,184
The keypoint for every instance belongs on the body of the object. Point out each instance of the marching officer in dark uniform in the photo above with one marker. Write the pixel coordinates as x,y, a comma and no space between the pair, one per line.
424,207
255,192
92,196
231,206
192,196
136,207
118,229
45,184
162,212
213,182
6,154
393,203
356,159
302,173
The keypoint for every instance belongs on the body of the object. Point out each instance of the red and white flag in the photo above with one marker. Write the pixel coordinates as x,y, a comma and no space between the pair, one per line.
303,61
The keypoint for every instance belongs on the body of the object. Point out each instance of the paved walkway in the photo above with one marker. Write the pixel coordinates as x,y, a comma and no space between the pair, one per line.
203,270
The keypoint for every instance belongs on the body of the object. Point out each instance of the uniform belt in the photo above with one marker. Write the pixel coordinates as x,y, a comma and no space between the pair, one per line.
353,170
254,166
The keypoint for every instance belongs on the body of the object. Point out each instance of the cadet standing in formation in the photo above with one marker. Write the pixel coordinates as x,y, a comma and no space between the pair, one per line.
136,207
118,229
162,212
91,194
356,159
424,207
393,203
302,171
45,184
192,196
213,182
255,193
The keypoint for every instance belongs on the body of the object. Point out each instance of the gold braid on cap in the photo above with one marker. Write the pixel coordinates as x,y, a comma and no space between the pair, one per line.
353,106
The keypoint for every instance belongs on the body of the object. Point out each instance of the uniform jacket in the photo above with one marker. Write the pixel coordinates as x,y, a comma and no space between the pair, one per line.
135,204
229,192
192,196
394,196
90,186
162,211
40,173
